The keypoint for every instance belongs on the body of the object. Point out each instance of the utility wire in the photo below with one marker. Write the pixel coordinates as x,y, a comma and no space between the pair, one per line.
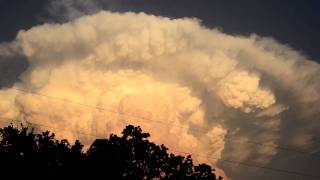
285,171
232,162
229,138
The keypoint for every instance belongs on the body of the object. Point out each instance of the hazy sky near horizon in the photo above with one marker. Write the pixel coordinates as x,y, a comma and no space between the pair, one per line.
246,69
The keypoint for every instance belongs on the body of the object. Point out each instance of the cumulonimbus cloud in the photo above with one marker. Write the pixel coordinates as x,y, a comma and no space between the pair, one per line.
173,77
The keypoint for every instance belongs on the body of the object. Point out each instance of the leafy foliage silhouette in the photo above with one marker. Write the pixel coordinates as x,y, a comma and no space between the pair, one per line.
130,156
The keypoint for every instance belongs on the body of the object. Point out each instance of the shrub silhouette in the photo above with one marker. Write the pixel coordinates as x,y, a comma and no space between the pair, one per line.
130,156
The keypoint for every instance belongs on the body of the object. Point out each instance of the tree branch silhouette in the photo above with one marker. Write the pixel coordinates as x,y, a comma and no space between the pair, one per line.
129,156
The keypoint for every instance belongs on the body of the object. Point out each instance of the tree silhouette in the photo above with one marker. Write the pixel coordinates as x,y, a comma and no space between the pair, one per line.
130,156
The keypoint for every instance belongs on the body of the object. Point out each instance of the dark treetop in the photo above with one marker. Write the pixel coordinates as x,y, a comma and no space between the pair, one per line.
24,153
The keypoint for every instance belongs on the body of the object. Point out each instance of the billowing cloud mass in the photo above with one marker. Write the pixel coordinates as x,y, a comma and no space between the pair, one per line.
191,87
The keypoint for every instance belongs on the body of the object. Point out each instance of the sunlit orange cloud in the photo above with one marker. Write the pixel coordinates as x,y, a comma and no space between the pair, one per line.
182,82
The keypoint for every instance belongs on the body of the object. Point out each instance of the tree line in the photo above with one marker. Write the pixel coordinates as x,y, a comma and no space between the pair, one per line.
24,153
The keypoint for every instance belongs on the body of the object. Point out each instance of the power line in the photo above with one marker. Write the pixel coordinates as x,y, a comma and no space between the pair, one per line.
50,127
254,165
270,168
282,148
77,103
198,155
